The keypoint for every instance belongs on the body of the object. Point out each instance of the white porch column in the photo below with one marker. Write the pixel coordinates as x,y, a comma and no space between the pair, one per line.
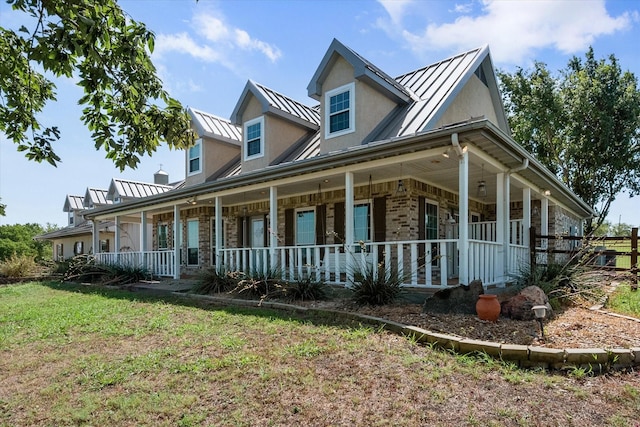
217,259
501,259
95,236
273,225
348,222
507,224
463,239
144,232
176,243
544,224
116,236
526,216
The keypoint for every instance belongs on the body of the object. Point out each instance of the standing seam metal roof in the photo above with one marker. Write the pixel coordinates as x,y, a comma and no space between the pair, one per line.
125,188
289,106
216,127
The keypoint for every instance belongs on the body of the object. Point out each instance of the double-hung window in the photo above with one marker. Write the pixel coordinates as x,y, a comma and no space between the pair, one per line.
254,138
306,232
340,111
431,229
361,224
195,155
163,243
193,231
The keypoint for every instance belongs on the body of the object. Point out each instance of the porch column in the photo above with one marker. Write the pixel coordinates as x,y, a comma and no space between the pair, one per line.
348,223
217,260
500,229
116,236
526,216
506,224
463,239
95,236
144,234
544,224
273,225
176,243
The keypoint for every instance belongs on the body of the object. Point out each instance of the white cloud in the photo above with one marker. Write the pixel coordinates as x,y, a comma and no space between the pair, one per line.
513,29
395,9
214,40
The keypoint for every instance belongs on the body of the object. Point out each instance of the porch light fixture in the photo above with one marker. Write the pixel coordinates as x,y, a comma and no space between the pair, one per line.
482,186
540,312
401,190
192,201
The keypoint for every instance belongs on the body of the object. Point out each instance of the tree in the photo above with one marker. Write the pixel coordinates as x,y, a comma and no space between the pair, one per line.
2,209
18,239
582,124
613,230
95,42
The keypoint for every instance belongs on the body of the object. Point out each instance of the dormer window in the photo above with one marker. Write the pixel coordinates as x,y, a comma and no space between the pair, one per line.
195,153
254,138
340,111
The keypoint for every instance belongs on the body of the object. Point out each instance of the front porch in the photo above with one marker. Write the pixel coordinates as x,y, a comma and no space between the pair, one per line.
435,211
423,263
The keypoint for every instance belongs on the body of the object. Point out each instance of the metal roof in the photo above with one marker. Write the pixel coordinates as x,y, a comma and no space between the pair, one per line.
278,104
79,230
96,197
215,127
73,203
134,189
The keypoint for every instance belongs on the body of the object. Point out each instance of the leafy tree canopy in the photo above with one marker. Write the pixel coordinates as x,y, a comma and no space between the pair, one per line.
18,239
2,209
613,230
583,124
124,105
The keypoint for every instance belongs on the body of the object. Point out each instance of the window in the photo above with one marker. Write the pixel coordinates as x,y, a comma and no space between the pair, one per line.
431,228
78,248
305,227
361,223
192,241
59,252
104,245
162,236
195,153
71,218
339,111
254,138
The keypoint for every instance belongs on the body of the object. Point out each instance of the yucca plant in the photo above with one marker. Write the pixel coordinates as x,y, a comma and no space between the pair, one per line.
376,285
216,280
306,289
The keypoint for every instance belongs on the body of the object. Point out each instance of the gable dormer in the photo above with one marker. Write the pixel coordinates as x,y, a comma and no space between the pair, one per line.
121,190
73,205
217,146
272,125
95,197
355,96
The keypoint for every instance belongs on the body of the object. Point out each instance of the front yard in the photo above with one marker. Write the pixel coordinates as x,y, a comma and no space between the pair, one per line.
76,355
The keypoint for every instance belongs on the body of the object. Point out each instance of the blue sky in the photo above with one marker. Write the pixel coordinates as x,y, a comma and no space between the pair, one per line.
207,50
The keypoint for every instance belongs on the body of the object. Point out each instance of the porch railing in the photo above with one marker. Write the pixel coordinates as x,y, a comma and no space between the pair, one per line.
159,263
486,231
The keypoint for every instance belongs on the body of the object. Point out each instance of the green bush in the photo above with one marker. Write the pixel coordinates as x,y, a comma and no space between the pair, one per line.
306,289
18,266
376,285
213,281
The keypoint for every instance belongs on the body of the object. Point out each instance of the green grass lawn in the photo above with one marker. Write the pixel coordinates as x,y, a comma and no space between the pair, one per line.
625,301
79,355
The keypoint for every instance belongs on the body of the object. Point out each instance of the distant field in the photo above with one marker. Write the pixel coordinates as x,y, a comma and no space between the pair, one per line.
622,261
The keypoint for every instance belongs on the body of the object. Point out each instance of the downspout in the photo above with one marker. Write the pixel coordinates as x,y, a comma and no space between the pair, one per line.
456,144
523,166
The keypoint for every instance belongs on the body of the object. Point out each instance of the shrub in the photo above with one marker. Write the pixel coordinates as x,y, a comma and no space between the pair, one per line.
306,289
85,269
18,266
213,281
261,284
376,285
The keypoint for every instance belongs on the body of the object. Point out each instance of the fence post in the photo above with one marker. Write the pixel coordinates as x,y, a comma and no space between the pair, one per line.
532,247
634,258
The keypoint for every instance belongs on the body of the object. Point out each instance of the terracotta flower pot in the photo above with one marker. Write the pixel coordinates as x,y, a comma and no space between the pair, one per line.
488,307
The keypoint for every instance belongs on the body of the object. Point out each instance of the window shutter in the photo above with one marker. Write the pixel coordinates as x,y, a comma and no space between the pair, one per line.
241,221
380,224
321,227
338,223
288,227
267,234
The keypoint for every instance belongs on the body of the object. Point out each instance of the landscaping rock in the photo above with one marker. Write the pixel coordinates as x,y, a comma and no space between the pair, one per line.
461,299
519,306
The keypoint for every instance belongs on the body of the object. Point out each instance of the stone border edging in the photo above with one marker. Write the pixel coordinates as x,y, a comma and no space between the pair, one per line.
596,360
